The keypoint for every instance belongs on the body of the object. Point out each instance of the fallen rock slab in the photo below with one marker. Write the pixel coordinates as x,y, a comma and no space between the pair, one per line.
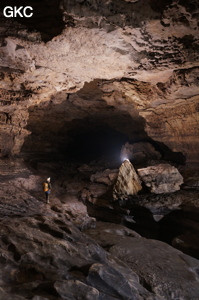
162,178
115,284
98,194
128,182
164,270
48,255
75,289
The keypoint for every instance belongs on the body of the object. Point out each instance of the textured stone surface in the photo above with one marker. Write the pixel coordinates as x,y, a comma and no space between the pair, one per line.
115,286
176,129
128,182
164,203
107,176
156,262
162,178
74,289
97,193
160,263
143,56
108,234
95,74
45,256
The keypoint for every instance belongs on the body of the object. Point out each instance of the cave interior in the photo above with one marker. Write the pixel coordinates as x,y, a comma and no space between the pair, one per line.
100,97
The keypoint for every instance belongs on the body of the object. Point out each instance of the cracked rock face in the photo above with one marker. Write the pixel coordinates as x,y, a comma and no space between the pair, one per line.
155,261
55,251
48,256
161,179
154,250
144,55
128,182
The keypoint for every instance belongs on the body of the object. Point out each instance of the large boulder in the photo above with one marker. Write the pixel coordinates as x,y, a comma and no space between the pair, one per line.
164,270
162,178
48,255
116,284
128,182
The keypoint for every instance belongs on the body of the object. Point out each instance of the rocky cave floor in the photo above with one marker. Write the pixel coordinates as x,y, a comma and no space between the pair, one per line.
81,73
73,248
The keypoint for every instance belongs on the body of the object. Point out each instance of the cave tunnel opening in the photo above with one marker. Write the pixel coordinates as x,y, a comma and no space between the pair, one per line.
95,144
82,127
85,142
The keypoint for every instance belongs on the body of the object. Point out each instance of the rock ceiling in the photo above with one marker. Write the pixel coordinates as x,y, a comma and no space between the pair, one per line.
91,76
75,66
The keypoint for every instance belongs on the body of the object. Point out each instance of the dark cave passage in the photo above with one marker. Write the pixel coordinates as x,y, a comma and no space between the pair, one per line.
83,127
80,127
101,142
84,143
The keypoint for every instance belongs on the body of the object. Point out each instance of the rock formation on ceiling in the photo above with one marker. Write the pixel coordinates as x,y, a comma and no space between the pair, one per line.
85,74
127,65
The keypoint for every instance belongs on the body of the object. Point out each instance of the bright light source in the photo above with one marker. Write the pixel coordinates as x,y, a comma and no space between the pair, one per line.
124,158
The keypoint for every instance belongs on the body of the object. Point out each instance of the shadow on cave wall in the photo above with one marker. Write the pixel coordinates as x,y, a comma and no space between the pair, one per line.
80,140
83,140
82,127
